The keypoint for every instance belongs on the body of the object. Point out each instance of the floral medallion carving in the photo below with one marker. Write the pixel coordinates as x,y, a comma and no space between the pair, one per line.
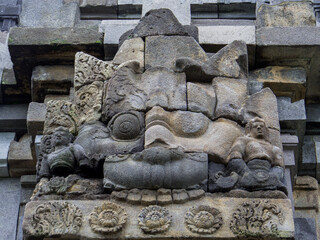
108,218
154,219
256,218
203,219
54,218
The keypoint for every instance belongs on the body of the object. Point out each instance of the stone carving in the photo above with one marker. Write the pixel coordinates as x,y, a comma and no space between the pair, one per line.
108,218
203,219
65,158
256,218
55,219
89,69
88,100
61,113
253,162
154,219
45,148
57,185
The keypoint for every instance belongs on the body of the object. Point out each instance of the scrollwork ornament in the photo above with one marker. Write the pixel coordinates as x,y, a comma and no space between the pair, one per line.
57,185
55,219
154,219
108,218
256,218
203,219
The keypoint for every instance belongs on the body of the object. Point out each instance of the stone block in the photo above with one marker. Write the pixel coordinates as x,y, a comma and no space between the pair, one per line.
35,118
313,119
291,111
51,80
5,59
181,9
5,140
13,117
20,158
305,228
224,212
165,50
305,193
286,14
308,164
9,209
98,9
57,97
37,14
28,181
283,81
201,97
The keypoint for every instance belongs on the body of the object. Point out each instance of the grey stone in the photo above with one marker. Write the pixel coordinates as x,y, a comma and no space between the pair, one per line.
51,80
308,163
313,119
13,117
286,14
35,118
290,111
5,59
164,196
230,94
20,221
165,50
134,196
98,9
201,97
181,9
9,210
5,140
158,22
37,14
8,77
193,31
305,228
28,181
180,195
317,152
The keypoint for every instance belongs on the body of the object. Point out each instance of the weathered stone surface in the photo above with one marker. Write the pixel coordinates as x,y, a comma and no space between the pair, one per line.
13,117
51,80
180,195
164,88
283,224
230,94
57,97
305,228
264,105
131,49
286,14
35,118
88,100
232,60
89,69
149,197
164,196
305,193
20,158
309,160
36,14
190,131
5,140
5,59
283,81
180,9
165,50
201,97
290,111
9,210
158,22
61,113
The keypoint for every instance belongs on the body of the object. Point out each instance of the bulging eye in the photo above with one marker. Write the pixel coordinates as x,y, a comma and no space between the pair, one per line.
127,125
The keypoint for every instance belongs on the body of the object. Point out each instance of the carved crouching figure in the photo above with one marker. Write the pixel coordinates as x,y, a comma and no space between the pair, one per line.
253,163
66,158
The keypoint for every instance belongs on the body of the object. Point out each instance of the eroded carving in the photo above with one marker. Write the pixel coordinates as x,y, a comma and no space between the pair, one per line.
253,162
55,218
203,219
154,219
108,218
56,185
256,218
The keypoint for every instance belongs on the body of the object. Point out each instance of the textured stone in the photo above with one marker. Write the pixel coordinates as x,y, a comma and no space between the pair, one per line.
181,9
190,131
158,22
309,160
165,50
51,80
134,196
227,206
149,197
5,60
305,228
20,158
131,49
9,210
57,97
164,196
285,14
113,30
36,14
13,117
180,195
230,94
35,118
201,97
283,81
5,140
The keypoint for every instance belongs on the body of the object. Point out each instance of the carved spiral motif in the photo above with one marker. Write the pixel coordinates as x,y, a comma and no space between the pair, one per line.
203,219
126,126
108,218
154,219
56,218
256,218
